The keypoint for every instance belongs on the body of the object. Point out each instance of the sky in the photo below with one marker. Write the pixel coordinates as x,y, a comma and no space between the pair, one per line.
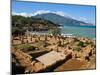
84,13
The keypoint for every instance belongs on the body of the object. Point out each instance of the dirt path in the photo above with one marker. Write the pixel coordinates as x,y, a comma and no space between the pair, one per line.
72,64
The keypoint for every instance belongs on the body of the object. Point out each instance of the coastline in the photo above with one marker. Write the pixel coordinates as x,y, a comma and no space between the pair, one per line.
62,34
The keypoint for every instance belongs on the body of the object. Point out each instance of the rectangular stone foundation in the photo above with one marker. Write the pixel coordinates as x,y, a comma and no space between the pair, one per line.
51,58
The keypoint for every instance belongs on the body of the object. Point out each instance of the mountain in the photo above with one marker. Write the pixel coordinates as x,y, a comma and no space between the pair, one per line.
55,18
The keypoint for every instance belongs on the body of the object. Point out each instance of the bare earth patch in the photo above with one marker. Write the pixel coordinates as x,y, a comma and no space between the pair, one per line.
72,64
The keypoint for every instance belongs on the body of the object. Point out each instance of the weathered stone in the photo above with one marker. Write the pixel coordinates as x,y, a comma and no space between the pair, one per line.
38,66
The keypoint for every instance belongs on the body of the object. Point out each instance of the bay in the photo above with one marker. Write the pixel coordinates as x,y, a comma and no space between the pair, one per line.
81,31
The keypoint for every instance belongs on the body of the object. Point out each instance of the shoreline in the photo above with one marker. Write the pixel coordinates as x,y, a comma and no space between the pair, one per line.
79,26
62,34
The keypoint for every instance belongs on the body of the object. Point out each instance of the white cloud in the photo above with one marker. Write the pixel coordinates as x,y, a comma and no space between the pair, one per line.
47,11
41,12
82,19
60,13
23,14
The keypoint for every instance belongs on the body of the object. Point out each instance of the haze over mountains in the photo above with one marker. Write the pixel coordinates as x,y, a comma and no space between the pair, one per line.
64,21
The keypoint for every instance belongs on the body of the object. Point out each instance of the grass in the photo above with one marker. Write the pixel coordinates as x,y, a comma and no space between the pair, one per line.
77,49
25,47
81,44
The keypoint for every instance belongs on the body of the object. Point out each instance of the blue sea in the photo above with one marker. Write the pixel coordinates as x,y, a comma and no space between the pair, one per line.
81,31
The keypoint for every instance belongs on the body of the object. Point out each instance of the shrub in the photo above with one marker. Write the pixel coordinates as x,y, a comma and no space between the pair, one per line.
81,44
17,31
77,49
62,43
25,47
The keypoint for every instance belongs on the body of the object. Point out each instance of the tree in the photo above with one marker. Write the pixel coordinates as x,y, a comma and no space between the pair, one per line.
18,31
55,31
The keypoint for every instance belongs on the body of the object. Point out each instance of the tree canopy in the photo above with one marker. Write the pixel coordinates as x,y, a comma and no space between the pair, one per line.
20,24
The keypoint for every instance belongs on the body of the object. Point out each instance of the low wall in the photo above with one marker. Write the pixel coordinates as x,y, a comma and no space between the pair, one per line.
55,65
37,53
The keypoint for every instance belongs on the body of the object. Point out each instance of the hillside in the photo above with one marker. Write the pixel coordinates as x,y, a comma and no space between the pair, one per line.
62,20
20,24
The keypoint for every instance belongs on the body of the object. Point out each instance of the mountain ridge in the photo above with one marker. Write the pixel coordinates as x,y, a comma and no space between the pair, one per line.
62,20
